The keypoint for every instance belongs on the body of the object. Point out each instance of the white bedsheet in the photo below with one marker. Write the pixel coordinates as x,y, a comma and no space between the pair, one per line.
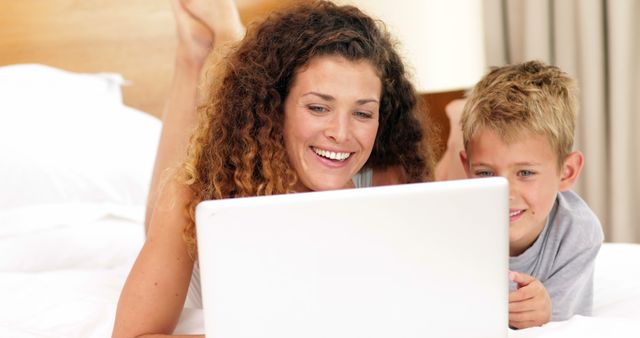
62,267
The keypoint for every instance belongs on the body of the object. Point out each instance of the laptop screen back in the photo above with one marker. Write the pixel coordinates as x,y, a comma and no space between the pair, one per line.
413,260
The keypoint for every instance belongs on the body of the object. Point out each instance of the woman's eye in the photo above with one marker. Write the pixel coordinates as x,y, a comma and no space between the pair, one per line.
317,109
483,173
363,115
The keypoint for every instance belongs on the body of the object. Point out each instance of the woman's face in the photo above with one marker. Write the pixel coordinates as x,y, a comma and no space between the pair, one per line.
331,121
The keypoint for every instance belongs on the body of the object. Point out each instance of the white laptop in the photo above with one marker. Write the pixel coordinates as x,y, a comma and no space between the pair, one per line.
414,260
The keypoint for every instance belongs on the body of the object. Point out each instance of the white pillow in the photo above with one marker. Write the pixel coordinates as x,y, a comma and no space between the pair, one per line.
67,138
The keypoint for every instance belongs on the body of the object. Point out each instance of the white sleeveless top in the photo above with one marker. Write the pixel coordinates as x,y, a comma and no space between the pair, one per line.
362,179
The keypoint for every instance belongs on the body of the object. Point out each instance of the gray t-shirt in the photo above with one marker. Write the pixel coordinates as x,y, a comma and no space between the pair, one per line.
562,257
194,296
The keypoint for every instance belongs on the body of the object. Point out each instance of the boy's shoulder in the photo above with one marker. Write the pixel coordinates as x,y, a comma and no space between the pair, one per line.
575,222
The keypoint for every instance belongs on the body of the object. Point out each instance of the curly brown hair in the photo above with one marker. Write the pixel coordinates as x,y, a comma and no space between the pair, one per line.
238,147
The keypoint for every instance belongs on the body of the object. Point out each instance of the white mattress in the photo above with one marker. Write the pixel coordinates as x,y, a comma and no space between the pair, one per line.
62,268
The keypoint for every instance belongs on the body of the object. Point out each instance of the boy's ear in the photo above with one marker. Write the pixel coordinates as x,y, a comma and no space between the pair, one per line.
465,162
571,170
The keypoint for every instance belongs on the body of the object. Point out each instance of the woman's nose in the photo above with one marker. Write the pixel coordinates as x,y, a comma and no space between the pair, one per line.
338,127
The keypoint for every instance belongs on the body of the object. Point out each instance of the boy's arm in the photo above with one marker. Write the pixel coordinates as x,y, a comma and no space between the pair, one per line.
567,261
571,285
569,280
567,292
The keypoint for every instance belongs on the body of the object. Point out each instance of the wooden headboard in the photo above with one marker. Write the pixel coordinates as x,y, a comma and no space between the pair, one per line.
135,38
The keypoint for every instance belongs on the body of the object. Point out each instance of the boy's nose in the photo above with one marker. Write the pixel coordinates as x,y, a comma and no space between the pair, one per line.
513,189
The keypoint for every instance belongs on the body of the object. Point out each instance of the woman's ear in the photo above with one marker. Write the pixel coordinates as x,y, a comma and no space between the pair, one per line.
571,170
465,162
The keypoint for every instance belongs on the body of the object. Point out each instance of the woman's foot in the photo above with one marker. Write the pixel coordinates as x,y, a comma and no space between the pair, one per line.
221,17
205,24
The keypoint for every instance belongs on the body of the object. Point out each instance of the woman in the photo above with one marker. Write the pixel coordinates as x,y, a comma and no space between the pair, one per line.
309,98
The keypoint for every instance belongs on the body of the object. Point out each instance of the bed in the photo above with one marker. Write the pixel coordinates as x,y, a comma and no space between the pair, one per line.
76,150
76,166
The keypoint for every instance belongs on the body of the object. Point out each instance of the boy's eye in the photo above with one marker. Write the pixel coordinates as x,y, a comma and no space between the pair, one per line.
483,173
525,173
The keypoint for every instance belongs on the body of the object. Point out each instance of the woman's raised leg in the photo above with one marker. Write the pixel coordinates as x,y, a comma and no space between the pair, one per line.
203,27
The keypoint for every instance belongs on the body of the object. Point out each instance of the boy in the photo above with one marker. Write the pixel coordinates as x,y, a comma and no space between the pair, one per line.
519,123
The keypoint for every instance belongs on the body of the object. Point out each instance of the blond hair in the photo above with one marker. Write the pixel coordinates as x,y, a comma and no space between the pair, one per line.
528,97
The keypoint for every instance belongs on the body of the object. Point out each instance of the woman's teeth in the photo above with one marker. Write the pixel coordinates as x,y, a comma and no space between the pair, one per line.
338,156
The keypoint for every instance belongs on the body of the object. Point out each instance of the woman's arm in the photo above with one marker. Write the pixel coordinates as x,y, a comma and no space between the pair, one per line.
155,291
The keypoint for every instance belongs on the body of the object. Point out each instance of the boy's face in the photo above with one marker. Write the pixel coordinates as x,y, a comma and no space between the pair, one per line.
531,167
